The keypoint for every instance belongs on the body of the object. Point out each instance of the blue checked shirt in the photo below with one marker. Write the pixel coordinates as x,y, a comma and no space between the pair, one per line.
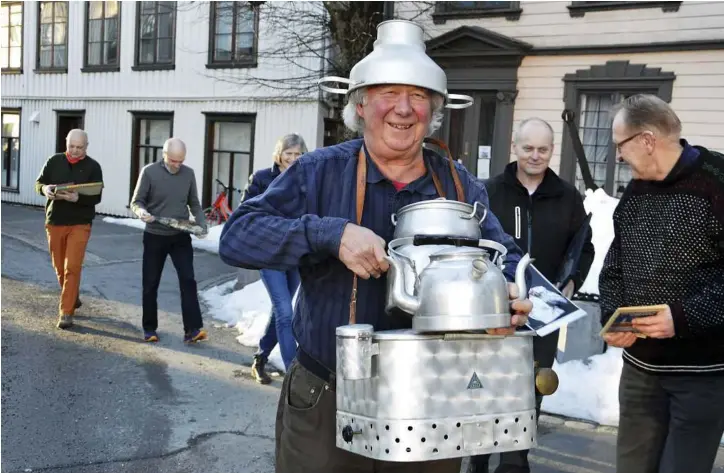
298,222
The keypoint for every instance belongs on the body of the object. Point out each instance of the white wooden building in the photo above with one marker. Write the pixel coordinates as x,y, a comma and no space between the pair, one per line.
132,74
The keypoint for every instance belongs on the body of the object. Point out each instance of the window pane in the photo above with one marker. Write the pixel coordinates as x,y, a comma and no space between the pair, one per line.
4,57
148,26
15,57
222,48
241,177
595,131
232,136
4,16
16,15
46,56
59,56
222,166
245,21
61,12
165,50
111,30
14,163
148,7
245,41
224,20
155,132
94,31
165,26
95,10
4,40
94,54
111,10
46,35
11,125
110,53
46,12
16,36
166,7
147,51
59,30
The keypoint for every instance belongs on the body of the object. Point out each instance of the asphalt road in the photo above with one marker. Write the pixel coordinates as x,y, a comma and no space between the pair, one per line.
96,399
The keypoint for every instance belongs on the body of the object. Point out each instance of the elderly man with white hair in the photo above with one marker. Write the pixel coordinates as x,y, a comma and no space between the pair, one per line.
329,214
167,188
69,216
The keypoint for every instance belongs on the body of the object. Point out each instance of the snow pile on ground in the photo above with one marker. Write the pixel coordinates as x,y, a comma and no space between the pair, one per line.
210,243
247,310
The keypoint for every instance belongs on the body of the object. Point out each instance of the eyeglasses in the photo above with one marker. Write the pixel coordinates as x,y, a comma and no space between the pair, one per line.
620,145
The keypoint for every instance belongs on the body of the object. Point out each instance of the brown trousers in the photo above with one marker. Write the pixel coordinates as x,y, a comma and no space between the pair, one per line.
306,430
67,245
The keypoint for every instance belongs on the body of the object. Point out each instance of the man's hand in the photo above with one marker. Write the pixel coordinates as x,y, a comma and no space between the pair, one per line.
520,310
660,325
620,339
363,252
568,290
49,191
145,216
69,196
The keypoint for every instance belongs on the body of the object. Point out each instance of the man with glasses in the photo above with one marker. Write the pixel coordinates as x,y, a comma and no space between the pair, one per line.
668,249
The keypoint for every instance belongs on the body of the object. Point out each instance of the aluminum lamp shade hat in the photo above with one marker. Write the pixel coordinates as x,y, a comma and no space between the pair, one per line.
398,57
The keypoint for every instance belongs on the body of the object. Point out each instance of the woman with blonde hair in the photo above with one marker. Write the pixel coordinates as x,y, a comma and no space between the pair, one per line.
281,285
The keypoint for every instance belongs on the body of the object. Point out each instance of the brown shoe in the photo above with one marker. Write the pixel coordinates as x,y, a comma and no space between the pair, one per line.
65,321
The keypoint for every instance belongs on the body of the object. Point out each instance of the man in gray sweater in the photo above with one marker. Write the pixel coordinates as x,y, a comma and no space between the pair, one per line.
168,189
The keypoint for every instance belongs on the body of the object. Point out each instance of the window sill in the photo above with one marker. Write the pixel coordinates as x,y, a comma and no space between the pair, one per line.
579,9
51,71
15,70
11,190
101,69
510,14
153,67
231,65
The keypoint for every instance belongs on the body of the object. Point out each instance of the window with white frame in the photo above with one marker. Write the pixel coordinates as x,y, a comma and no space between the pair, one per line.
11,31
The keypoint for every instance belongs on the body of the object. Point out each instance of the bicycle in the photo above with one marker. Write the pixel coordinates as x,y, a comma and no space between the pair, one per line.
219,212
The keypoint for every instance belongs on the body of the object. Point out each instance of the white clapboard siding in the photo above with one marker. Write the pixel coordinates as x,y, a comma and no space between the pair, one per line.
697,97
549,24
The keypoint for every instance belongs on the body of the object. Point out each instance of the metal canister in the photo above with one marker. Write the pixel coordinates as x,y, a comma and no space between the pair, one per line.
354,351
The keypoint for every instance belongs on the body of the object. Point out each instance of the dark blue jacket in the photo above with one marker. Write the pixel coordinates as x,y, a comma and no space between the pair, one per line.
299,220
259,181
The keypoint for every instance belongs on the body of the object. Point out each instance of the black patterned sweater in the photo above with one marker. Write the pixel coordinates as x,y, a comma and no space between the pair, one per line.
668,248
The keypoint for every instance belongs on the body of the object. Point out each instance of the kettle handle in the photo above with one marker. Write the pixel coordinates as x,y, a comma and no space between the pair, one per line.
466,101
520,276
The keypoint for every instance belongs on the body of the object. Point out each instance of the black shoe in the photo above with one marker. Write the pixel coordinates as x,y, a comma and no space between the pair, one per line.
257,371
78,303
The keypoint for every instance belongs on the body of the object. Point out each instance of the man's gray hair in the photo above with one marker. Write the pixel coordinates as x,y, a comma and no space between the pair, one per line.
643,111
533,120
174,145
76,132
354,122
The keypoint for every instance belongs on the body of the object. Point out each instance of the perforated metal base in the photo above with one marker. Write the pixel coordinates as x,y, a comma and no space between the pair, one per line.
435,439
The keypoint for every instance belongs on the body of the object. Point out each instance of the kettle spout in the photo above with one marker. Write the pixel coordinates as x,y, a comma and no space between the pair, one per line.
397,295
520,281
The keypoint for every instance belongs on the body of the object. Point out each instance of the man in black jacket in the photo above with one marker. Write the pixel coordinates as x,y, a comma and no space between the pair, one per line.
543,214
668,249
68,217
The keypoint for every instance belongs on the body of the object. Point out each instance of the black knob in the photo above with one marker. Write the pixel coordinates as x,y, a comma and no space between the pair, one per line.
347,433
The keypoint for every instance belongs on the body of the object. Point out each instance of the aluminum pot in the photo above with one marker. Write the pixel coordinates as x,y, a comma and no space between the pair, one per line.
439,217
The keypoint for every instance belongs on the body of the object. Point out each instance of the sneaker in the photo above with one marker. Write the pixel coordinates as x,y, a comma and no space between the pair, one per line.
196,336
257,371
78,303
150,336
65,321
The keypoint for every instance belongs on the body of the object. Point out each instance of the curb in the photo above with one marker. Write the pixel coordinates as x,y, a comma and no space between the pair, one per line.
554,420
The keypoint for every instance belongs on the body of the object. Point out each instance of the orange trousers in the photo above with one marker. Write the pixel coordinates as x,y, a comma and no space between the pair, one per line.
67,244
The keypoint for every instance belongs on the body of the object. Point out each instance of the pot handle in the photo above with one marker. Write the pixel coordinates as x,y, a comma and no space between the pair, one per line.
465,101
393,217
475,211
334,79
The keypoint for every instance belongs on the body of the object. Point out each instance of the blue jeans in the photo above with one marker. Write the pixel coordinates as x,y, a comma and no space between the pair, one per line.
281,286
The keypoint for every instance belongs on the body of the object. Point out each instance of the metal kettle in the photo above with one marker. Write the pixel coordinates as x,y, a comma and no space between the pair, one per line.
463,288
